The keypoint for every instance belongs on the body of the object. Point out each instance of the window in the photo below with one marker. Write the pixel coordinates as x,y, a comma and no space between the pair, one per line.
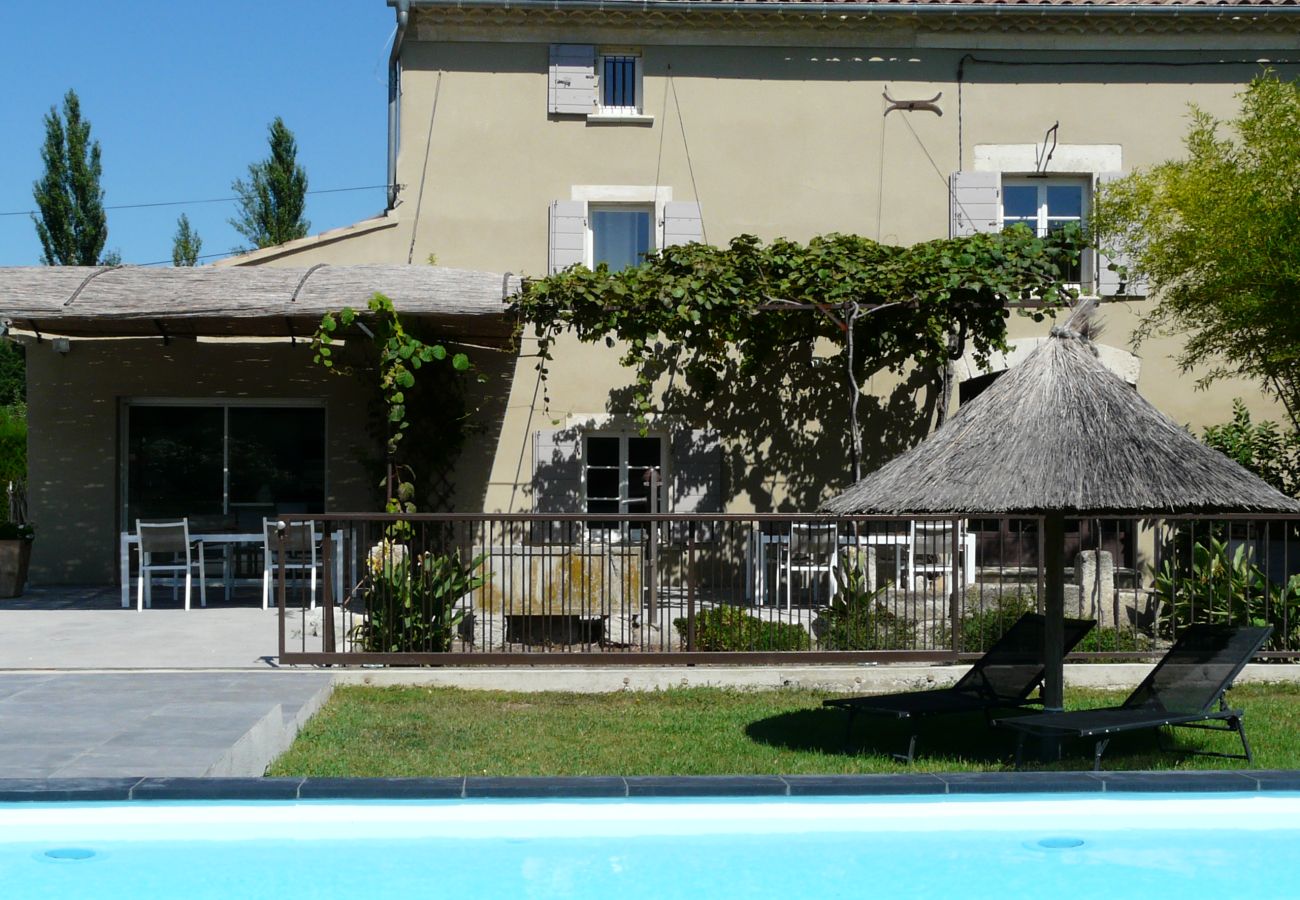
618,88
1045,205
621,236
616,475
229,461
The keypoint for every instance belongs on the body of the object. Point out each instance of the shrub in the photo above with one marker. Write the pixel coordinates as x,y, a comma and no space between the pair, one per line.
13,444
730,629
410,600
983,625
1113,640
1220,587
857,620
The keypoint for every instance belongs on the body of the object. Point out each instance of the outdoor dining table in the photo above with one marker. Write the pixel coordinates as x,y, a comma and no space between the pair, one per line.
232,538
763,543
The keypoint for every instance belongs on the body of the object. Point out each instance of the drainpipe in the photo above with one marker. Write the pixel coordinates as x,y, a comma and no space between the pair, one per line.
394,96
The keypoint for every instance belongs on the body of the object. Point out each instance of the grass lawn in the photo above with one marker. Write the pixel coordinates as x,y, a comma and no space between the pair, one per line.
704,731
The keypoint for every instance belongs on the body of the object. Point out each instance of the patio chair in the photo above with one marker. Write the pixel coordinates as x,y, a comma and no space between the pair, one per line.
1182,691
170,541
813,551
299,555
930,552
1005,677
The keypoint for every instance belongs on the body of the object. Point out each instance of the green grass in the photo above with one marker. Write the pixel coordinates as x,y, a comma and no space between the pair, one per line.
703,731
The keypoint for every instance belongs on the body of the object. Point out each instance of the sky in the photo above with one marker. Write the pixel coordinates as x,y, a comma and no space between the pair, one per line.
180,94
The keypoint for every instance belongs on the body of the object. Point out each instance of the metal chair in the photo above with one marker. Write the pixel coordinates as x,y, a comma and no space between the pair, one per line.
813,550
172,541
291,548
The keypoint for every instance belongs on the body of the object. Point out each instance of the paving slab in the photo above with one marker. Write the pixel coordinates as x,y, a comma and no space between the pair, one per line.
174,724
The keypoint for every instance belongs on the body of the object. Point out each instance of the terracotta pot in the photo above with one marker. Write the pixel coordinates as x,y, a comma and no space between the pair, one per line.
14,556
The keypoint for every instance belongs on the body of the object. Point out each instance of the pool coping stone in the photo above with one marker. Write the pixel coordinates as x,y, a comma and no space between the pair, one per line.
96,790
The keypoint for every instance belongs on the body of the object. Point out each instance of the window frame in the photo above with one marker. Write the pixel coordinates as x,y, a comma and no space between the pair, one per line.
1086,183
648,207
623,437
637,110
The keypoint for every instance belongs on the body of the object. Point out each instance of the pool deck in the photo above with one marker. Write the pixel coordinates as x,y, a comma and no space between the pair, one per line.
89,689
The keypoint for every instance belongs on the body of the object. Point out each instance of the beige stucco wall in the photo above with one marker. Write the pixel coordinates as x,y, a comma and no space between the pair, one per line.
786,137
74,421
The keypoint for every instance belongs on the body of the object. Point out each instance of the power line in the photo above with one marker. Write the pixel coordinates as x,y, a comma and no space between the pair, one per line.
364,187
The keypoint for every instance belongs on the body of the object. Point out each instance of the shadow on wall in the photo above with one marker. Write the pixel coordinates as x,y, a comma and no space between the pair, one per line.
782,426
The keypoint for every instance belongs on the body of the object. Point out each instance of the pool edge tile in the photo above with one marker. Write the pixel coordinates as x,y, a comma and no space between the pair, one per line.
921,783
1179,781
540,787
217,789
706,786
1021,783
60,790
413,788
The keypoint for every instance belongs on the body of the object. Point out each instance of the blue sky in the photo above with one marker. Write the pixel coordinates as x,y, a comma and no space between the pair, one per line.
179,95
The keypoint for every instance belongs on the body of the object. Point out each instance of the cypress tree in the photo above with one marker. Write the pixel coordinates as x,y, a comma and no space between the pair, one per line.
72,224
186,244
272,201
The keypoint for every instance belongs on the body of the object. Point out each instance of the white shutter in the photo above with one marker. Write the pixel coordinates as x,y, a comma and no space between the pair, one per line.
571,80
697,472
683,224
568,235
1108,281
557,471
974,202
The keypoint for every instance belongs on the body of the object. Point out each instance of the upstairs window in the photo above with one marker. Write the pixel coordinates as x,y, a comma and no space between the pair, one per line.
621,236
618,83
1046,205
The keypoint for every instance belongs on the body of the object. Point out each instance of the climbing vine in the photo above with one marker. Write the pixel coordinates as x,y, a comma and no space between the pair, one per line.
700,311
401,355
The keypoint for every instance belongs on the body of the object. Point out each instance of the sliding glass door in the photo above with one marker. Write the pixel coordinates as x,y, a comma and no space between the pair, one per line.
224,465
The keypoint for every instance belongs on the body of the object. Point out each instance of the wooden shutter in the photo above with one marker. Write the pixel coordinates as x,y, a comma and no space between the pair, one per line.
568,235
1108,281
571,80
683,224
557,471
974,202
697,472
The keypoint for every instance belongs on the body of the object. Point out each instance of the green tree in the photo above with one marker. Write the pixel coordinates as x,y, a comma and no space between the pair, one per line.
186,244
71,224
1271,452
13,379
1217,236
272,201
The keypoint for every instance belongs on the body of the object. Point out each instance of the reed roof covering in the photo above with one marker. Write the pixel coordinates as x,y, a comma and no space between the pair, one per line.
245,301
1061,433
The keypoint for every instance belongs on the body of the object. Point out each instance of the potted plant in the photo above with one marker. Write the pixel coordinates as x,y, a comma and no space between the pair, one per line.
15,552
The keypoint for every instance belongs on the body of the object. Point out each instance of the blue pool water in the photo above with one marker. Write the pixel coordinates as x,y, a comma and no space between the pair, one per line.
1061,846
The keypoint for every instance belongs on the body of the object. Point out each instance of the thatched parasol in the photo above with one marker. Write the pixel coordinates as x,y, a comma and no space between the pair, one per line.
1060,436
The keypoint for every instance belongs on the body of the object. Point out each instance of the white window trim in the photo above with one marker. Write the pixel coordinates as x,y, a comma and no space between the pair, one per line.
615,114
608,196
1088,260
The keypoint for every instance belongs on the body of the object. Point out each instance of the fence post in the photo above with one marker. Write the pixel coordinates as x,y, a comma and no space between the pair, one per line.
279,586
327,590
653,575
690,586
956,578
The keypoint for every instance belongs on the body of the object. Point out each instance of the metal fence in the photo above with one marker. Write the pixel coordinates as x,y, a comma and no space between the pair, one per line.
654,589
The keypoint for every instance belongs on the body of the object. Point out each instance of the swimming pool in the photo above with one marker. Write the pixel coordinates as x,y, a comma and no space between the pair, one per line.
969,847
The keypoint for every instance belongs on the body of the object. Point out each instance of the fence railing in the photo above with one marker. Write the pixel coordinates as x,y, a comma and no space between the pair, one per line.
653,589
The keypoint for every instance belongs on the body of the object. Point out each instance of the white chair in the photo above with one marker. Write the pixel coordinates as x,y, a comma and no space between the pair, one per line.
930,551
171,540
813,550
299,554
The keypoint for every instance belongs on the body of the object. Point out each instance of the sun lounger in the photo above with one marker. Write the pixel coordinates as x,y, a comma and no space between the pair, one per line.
1183,690
1003,678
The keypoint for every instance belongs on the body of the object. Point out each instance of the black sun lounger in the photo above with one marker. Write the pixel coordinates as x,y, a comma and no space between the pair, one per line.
1003,678
1182,690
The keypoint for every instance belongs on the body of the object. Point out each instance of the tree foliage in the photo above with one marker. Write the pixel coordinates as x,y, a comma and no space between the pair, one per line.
273,200
71,224
1217,236
717,321
1270,452
186,244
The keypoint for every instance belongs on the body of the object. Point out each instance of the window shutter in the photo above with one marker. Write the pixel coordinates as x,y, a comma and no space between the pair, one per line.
568,235
1108,281
697,472
683,224
571,80
557,471
974,202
